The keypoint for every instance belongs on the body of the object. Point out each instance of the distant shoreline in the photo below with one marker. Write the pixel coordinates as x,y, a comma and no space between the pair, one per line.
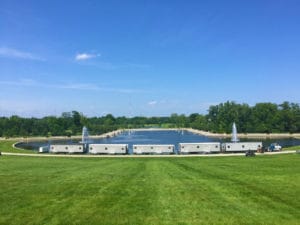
199,132
245,135
25,139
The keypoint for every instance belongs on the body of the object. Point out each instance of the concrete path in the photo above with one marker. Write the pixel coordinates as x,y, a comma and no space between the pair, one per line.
142,156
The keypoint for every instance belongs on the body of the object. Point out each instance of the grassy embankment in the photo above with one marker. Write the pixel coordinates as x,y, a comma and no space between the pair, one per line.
7,146
291,148
228,190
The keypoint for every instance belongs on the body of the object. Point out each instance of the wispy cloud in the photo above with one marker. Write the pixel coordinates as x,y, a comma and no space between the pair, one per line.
99,64
93,87
83,59
135,65
76,86
70,86
21,82
152,103
18,54
85,56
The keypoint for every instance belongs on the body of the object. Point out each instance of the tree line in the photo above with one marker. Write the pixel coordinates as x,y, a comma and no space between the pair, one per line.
262,118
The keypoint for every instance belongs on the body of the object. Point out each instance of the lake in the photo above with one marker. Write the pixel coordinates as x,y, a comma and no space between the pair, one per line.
173,137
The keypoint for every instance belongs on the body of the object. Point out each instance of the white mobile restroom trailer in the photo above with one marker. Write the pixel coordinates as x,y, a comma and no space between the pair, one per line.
207,147
153,149
108,148
43,149
241,146
66,149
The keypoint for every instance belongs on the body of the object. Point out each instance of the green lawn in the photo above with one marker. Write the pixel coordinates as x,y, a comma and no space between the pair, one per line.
223,190
7,146
297,147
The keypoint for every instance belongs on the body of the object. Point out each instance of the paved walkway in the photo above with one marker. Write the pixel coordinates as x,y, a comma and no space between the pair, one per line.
142,156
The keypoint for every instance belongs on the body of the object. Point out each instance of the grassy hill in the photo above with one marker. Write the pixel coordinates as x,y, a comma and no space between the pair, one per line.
229,190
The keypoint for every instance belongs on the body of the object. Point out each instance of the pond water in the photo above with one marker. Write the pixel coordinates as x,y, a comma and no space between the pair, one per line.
155,137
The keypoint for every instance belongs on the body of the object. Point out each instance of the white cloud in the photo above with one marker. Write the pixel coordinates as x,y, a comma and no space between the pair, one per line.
152,103
17,54
85,56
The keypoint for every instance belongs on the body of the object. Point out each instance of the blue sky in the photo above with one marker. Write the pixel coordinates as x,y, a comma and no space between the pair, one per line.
148,58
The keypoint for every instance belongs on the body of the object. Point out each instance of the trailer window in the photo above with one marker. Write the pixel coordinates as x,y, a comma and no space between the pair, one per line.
66,147
105,148
228,146
91,148
216,146
198,146
243,146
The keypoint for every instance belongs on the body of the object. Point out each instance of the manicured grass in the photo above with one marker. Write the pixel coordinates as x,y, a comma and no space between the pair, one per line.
297,147
223,190
7,146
